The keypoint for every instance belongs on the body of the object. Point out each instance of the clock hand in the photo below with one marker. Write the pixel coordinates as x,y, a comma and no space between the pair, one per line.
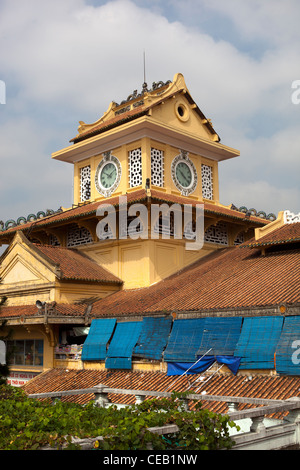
182,174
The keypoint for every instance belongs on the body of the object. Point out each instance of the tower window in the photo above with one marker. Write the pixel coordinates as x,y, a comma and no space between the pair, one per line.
157,167
135,168
85,183
207,181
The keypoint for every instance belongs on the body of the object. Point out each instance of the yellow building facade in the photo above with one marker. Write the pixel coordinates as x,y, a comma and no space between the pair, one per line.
155,148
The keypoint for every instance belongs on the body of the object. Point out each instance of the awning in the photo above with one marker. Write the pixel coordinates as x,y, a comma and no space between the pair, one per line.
153,337
185,339
120,350
95,345
220,335
258,342
288,348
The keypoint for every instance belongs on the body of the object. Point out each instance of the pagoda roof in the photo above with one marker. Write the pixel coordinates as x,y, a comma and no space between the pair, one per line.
140,104
89,209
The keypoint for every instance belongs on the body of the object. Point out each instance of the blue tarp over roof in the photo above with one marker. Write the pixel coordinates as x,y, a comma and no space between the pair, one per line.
258,341
288,347
153,337
220,334
120,350
94,347
184,341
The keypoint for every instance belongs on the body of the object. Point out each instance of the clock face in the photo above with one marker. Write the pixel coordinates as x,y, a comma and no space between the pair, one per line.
184,174
108,175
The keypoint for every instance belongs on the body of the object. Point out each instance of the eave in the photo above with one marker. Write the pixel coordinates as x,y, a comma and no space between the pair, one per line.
144,126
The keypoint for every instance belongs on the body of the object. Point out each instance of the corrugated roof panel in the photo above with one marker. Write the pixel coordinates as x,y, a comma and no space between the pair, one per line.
258,340
288,348
120,350
153,338
95,345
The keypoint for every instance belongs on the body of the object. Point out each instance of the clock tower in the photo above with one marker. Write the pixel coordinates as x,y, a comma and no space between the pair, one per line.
155,147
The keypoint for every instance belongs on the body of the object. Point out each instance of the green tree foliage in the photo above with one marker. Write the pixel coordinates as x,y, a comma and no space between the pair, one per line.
29,424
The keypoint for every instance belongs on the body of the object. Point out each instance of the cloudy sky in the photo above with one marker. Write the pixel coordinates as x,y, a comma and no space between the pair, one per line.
64,61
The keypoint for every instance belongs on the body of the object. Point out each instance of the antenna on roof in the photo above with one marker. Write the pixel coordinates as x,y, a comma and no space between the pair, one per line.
144,61
145,89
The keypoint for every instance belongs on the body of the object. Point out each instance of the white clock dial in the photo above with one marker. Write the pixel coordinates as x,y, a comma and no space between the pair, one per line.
108,175
184,173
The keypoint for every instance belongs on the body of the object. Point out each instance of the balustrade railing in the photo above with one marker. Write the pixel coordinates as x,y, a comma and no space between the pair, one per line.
263,407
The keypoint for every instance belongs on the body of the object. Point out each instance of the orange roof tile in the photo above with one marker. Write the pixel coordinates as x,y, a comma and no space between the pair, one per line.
230,278
137,111
288,233
267,387
74,213
16,311
75,265
114,122
140,195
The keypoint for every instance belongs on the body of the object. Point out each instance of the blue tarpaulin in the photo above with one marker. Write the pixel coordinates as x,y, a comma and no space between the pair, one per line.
120,350
191,338
179,368
258,341
184,341
153,337
288,348
94,347
220,335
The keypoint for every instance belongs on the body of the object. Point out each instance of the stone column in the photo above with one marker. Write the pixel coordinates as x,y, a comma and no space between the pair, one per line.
101,397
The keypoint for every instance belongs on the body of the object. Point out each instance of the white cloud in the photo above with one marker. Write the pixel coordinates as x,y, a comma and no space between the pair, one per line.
273,20
261,195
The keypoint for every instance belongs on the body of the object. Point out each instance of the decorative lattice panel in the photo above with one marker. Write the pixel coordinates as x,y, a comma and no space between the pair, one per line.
53,240
240,238
190,231
127,230
165,225
78,236
105,233
135,168
85,183
217,234
207,181
157,167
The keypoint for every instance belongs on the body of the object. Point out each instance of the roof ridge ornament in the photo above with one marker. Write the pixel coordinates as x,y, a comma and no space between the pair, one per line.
291,218
135,94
